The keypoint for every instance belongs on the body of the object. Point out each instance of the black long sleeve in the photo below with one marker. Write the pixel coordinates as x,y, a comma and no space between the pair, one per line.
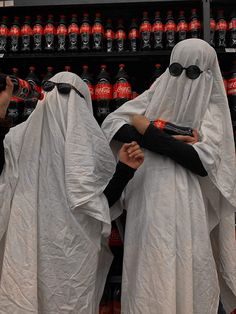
159,142
118,182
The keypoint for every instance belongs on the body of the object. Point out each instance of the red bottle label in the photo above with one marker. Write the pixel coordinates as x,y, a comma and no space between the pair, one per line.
97,28
194,25
103,91
222,25
49,29
38,29
182,27
212,24
232,24
85,28
115,239
61,30
158,27
170,26
3,30
120,34
73,28
231,86
122,90
109,34
134,33
145,27
14,31
26,30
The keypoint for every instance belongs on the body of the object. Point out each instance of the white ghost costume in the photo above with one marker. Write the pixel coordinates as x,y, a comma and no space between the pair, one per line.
54,217
180,249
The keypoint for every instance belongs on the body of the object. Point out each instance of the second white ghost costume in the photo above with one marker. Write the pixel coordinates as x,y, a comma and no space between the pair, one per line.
54,218
169,265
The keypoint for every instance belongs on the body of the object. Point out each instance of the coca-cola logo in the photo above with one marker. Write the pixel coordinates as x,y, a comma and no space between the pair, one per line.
103,91
158,27
133,33
170,26
122,90
38,29
182,26
194,25
73,28
49,29
85,28
98,28
222,25
145,27
231,87
26,30
109,34
61,30
120,34
14,31
3,31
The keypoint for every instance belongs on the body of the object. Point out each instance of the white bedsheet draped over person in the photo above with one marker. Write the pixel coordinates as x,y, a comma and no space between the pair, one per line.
179,224
54,218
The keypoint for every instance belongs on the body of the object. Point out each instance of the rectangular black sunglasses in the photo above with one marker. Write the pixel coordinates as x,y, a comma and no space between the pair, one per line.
63,88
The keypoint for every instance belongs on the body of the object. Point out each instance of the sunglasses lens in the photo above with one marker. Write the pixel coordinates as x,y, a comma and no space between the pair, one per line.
64,88
175,69
193,72
48,86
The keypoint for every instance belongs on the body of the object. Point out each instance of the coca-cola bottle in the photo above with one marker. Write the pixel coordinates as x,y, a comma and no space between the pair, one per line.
26,35
109,36
194,25
73,33
145,32
182,27
88,79
231,88
212,30
120,36
117,299
15,107
49,34
103,94
61,34
14,35
221,30
97,33
158,30
134,36
49,74
157,73
85,33
106,301
37,34
122,87
3,34
170,30
21,88
232,30
30,104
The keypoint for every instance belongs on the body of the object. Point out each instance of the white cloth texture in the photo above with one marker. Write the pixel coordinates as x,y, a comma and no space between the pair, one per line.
54,217
179,225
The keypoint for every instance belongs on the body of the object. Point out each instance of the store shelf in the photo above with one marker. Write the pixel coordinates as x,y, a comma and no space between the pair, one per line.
29,3
92,56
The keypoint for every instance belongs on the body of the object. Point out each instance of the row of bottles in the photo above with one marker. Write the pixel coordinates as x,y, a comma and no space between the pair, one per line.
37,36
107,93
223,32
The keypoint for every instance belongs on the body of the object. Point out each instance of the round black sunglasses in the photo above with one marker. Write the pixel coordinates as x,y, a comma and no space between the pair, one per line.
63,88
192,71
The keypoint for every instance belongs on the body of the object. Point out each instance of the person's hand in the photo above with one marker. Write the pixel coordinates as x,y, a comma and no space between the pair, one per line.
140,123
5,97
131,155
188,139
